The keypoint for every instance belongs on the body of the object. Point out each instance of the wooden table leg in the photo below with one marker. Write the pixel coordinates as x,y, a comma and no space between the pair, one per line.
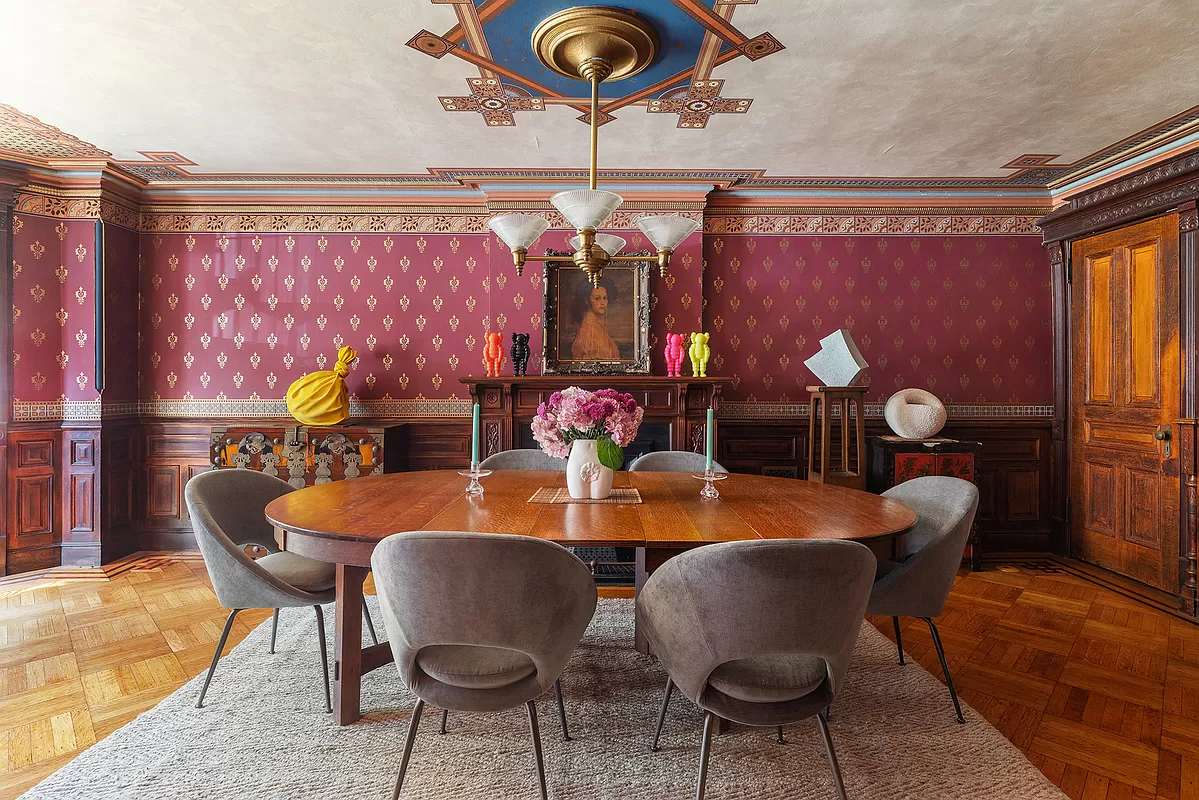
347,645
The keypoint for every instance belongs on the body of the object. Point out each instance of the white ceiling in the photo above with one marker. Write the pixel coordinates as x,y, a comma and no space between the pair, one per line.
865,87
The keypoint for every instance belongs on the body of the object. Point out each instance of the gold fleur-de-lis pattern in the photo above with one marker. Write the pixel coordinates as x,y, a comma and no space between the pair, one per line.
964,317
45,293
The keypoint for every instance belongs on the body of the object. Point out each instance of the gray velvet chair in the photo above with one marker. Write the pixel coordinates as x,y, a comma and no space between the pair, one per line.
758,632
523,459
481,622
226,508
919,583
673,461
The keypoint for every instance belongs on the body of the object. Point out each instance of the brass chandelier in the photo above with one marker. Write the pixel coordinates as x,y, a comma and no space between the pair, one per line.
594,44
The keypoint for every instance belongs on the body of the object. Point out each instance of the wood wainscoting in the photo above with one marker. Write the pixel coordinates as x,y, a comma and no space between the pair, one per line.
83,496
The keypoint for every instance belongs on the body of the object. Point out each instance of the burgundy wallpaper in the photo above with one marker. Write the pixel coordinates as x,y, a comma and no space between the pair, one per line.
241,316
121,254
967,318
54,323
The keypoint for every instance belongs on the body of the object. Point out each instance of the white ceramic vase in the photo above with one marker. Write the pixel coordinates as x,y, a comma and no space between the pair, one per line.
586,477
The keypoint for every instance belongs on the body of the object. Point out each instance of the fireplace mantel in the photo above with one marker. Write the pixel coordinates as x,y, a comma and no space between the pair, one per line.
508,403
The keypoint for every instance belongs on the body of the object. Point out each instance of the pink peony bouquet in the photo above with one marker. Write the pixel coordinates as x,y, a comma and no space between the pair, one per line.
608,416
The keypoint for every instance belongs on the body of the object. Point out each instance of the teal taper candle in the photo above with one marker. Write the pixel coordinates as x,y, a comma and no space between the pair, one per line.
708,449
474,436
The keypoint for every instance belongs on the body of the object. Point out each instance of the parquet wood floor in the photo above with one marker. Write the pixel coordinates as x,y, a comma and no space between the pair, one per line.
1100,691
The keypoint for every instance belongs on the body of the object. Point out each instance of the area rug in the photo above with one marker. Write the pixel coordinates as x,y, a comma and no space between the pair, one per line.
263,735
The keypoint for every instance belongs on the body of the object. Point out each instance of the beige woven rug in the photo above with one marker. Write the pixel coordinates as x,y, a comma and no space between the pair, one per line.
557,496
263,735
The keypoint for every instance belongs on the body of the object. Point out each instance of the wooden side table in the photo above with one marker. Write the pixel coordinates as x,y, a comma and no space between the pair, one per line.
894,460
824,399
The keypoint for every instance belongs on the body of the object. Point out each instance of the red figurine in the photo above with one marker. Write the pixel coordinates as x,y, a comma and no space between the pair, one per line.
493,353
674,354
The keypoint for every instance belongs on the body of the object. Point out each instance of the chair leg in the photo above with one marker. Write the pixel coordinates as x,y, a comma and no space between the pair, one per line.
274,629
537,746
957,707
898,639
822,721
781,740
445,715
220,645
413,724
370,625
320,635
705,748
561,710
662,714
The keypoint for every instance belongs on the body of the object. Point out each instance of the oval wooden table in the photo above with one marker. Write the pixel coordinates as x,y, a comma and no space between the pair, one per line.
341,522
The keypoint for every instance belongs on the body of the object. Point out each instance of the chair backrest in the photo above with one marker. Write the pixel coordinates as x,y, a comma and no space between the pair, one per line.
226,509
932,552
673,461
723,602
482,589
523,459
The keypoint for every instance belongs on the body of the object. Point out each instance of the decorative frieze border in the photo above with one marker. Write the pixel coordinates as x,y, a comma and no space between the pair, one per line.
75,204
424,408
740,409
874,224
302,221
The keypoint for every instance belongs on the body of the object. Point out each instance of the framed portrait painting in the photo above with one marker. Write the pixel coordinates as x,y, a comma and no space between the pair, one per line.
596,330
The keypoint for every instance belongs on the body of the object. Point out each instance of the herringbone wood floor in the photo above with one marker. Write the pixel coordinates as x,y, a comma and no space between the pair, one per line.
1101,692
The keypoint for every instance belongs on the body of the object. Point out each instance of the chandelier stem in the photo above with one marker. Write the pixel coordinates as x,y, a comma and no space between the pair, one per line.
595,82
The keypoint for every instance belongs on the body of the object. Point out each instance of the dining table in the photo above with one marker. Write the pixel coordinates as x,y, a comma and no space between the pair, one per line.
341,522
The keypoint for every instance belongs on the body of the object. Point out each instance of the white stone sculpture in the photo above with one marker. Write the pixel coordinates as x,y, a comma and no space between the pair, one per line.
915,414
839,362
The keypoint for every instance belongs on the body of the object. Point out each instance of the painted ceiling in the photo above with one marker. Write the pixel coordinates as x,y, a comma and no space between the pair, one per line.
915,88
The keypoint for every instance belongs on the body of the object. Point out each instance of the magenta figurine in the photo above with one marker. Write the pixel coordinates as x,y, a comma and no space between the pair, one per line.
674,354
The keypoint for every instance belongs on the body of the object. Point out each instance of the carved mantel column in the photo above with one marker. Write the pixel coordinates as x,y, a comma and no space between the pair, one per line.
1059,268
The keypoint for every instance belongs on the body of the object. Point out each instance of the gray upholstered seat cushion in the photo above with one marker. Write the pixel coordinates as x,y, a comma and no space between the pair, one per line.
769,679
673,461
523,459
474,666
303,573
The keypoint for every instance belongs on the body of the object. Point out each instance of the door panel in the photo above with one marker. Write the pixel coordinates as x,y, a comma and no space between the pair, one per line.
1126,389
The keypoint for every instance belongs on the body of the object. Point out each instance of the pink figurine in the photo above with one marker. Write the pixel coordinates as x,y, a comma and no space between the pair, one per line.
674,354
493,353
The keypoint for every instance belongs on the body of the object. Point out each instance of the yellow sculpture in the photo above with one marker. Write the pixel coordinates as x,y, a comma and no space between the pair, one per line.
321,398
699,352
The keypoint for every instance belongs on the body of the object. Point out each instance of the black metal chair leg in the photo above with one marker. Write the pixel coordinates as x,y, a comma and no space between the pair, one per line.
220,645
370,625
320,635
705,748
413,724
561,710
898,639
445,715
537,746
274,629
822,721
953,693
662,714
781,740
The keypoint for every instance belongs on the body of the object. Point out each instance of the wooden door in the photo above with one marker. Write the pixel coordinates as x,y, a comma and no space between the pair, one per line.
1125,387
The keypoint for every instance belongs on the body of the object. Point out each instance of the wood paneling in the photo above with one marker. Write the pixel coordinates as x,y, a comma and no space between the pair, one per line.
80,475
34,495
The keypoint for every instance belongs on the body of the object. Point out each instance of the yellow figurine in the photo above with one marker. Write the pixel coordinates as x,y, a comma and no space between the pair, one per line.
699,352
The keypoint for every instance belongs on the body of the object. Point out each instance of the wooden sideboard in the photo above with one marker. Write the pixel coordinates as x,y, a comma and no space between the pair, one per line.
675,408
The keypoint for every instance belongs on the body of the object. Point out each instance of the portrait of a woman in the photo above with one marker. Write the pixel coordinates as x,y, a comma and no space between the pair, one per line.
593,342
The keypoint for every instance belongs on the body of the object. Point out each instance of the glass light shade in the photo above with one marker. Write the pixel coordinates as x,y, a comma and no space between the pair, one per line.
518,231
610,244
586,208
666,232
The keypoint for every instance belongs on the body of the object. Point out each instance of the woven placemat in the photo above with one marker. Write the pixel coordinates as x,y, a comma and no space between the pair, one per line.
549,494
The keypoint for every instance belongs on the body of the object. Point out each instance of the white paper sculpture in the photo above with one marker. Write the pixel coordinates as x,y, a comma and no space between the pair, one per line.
915,414
839,361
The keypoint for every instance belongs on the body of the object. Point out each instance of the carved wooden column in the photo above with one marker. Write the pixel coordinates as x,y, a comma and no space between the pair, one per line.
1059,268
7,193
1188,433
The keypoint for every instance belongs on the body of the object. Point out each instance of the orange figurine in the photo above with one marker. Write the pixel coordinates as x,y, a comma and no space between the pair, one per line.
493,353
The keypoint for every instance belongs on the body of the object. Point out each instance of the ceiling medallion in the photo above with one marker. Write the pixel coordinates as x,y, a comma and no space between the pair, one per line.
593,44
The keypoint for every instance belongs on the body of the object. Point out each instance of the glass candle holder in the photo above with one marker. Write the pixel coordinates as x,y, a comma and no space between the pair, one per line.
474,473
709,478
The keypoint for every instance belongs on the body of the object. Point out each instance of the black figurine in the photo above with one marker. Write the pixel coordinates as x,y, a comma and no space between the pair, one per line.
520,353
